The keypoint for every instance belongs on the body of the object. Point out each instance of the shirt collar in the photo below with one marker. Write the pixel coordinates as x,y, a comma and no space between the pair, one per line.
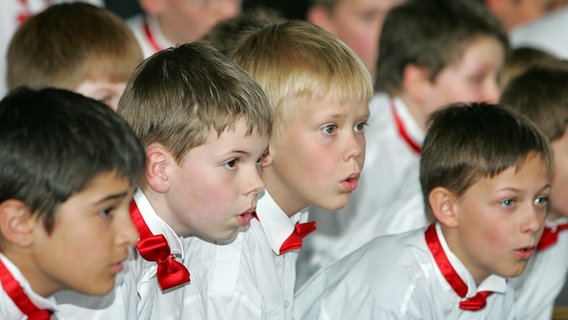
492,283
157,225
276,224
411,127
39,301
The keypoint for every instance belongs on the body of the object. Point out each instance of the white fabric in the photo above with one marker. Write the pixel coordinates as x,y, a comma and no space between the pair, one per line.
388,199
246,278
396,277
136,24
9,24
548,34
542,281
8,309
137,294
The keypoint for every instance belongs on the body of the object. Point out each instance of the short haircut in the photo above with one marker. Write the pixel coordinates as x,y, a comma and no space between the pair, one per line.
521,59
179,95
226,34
431,34
298,59
468,142
69,43
541,94
54,142
329,5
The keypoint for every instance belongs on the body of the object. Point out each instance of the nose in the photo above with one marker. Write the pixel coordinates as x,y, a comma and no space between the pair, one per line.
127,234
355,147
227,9
492,91
534,221
255,184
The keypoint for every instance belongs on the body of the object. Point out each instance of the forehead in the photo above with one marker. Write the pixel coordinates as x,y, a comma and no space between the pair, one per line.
480,51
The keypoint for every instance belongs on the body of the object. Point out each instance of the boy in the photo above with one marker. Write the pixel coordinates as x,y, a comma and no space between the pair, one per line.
485,175
357,22
432,53
68,166
12,15
164,24
540,93
319,91
225,35
75,46
204,124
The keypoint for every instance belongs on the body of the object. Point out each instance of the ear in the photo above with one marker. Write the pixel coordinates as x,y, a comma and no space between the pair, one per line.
17,224
152,7
497,7
157,160
442,202
416,82
267,158
319,16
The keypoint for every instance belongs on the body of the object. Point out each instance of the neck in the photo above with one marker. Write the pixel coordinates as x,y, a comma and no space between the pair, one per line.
26,263
415,110
159,205
289,201
453,241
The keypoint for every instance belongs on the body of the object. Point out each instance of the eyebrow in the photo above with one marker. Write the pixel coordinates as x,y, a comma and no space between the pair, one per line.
112,197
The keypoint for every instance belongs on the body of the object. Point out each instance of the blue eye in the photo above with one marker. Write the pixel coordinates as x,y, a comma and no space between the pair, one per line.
360,127
508,203
329,129
106,213
541,201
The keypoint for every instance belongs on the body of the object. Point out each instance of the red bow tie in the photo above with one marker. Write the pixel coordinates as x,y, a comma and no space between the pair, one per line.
296,238
152,247
474,303
549,237
17,294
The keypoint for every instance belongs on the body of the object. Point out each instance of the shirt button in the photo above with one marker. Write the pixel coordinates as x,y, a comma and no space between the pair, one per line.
286,304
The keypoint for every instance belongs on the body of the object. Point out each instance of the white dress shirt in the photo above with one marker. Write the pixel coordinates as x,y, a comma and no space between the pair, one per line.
147,31
540,284
388,199
8,309
137,294
547,33
246,278
396,277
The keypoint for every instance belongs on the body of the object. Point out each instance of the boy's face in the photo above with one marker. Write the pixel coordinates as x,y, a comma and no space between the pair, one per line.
90,238
102,90
185,21
318,160
472,79
500,220
358,23
214,190
558,198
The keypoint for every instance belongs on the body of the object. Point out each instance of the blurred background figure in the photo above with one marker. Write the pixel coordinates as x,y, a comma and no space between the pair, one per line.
165,23
514,13
548,34
357,22
75,46
13,13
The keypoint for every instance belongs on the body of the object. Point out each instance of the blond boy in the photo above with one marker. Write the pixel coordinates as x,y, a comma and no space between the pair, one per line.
319,93
432,53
